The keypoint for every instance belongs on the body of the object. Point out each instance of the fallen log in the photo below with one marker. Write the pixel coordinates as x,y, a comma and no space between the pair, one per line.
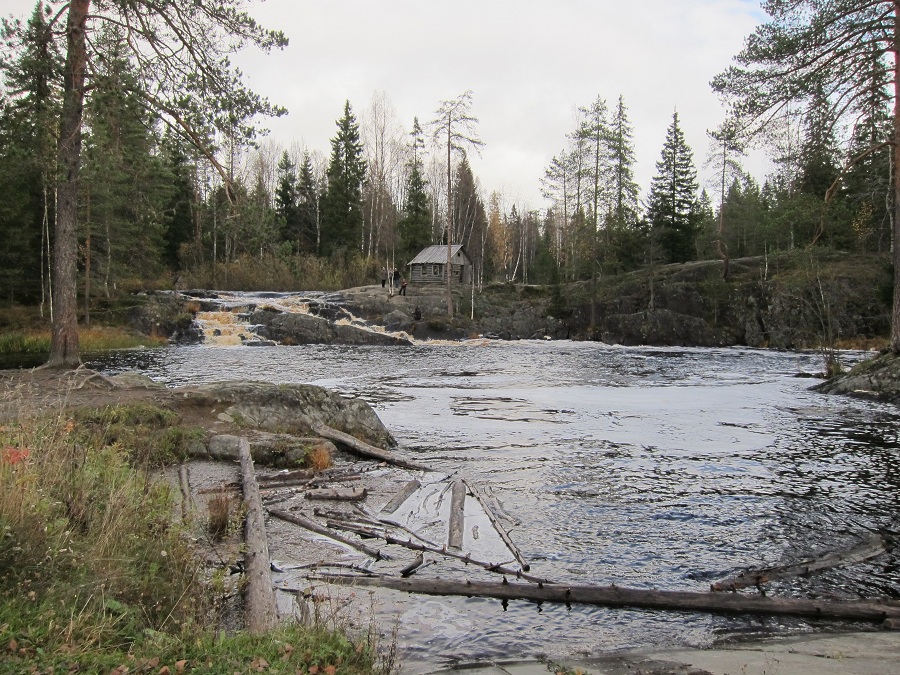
337,494
504,535
366,450
865,550
614,596
457,515
404,494
313,526
498,568
261,609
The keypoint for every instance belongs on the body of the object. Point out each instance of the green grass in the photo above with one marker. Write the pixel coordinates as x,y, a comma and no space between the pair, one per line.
97,574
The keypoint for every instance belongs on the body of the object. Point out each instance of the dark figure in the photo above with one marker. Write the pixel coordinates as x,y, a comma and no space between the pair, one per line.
383,276
417,315
403,287
396,277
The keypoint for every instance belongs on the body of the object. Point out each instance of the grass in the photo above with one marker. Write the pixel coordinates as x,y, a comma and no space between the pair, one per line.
35,341
96,574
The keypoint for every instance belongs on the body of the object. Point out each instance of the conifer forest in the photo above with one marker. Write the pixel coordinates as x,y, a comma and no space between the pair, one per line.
131,157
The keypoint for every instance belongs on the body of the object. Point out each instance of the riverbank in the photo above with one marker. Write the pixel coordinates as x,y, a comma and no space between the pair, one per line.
868,653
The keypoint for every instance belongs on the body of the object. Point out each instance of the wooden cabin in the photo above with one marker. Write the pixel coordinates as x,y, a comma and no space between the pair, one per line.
428,266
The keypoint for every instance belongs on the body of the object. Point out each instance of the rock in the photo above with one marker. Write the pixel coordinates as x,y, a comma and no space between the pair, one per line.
303,329
877,378
132,379
291,409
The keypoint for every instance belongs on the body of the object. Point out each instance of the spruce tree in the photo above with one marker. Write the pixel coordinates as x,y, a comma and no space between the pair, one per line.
672,204
625,191
286,202
342,215
308,199
415,223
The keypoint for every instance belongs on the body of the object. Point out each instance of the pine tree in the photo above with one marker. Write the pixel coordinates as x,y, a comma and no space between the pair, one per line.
342,215
672,204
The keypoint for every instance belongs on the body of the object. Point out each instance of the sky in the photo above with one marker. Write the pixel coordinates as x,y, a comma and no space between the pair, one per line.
530,64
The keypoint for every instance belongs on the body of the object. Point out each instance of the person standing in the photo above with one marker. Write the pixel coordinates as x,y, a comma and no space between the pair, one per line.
383,275
403,287
396,278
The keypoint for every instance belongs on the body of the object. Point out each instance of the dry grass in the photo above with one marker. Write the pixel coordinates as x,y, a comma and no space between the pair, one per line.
219,508
318,459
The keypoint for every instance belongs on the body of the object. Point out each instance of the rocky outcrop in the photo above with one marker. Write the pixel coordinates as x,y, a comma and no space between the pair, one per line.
877,378
280,450
294,409
304,329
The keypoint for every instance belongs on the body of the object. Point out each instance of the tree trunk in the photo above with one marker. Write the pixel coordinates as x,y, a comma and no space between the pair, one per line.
313,526
363,448
404,494
64,352
614,596
895,315
457,515
262,610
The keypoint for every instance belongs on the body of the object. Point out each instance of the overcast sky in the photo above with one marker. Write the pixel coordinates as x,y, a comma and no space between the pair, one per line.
529,63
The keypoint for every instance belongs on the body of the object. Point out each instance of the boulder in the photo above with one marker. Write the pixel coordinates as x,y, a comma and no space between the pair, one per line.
877,378
278,450
294,409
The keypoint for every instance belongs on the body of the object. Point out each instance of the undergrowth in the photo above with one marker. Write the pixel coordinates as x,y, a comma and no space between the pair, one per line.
97,575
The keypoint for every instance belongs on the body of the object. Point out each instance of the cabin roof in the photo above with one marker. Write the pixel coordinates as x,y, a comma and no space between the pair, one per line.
437,254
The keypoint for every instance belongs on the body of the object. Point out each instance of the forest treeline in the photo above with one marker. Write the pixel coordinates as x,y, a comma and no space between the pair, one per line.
158,207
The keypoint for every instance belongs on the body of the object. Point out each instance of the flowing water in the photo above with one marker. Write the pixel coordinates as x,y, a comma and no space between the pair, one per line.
645,467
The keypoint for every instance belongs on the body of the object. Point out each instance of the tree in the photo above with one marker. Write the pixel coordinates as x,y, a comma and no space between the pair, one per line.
415,223
672,204
625,192
28,131
725,158
832,44
308,198
286,202
454,126
342,216
179,51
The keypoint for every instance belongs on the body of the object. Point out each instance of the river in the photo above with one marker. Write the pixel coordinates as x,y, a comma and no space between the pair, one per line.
646,467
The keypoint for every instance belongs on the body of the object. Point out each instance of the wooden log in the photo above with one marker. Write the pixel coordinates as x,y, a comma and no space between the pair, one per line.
337,494
288,482
865,550
261,606
313,526
504,535
185,483
457,515
614,596
297,474
497,568
224,487
366,450
405,493
410,569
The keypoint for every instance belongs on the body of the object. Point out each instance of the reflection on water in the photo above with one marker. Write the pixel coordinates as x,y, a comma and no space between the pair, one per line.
645,467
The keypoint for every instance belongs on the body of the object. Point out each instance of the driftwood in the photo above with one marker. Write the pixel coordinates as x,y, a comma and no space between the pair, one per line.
410,569
224,487
504,535
313,526
286,483
498,568
404,494
285,476
336,494
261,610
364,449
870,548
457,515
614,596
